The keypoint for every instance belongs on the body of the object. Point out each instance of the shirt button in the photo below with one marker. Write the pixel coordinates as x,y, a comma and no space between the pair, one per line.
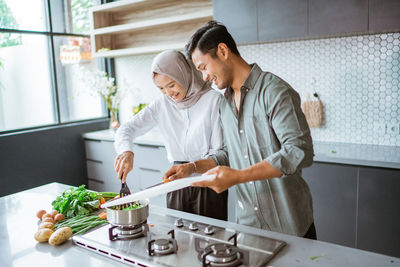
247,90
255,208
241,131
245,156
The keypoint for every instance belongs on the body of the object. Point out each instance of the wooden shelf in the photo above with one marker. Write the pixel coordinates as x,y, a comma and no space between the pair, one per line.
132,27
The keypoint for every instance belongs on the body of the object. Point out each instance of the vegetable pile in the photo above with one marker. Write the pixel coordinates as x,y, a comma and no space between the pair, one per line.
71,215
46,229
79,201
81,224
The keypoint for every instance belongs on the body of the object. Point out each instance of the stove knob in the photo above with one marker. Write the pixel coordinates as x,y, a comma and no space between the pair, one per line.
209,230
179,223
193,226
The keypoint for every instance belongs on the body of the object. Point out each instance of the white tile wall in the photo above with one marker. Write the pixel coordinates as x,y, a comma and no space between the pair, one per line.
357,79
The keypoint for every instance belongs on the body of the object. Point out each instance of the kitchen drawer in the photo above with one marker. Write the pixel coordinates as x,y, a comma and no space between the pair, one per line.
96,185
151,157
95,170
100,151
149,177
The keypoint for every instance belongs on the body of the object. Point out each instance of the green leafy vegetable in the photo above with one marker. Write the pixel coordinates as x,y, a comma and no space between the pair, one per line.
76,201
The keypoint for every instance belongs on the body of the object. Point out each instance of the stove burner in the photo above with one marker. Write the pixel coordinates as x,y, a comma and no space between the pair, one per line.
160,247
222,254
128,232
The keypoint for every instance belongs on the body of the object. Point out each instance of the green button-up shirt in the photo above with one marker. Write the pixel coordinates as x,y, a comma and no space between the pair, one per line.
269,126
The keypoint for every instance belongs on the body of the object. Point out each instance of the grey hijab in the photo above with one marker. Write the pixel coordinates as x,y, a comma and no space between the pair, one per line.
173,64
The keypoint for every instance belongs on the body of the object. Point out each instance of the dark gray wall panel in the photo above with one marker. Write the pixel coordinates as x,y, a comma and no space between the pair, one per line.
379,211
336,17
334,191
281,19
43,156
384,15
240,18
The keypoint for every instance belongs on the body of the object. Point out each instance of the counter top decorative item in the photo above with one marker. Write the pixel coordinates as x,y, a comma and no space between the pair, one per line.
99,82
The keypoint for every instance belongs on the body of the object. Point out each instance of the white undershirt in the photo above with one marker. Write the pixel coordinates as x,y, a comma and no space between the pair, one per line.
189,134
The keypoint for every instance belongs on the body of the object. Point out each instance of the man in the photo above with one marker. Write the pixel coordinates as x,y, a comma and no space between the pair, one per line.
267,139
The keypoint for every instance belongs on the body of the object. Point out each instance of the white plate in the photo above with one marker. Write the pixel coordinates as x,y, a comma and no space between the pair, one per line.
158,190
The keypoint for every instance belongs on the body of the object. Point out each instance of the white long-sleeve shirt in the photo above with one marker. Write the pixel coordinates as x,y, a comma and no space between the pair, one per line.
189,134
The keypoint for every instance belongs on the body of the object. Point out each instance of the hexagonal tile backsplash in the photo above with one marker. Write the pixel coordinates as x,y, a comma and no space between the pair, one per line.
357,79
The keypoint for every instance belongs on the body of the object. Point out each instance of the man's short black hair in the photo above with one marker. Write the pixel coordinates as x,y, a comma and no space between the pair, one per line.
207,38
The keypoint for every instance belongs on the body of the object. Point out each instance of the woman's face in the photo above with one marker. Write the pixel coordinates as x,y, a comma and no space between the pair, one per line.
169,87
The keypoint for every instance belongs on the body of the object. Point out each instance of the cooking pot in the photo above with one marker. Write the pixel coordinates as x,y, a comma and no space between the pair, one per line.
129,217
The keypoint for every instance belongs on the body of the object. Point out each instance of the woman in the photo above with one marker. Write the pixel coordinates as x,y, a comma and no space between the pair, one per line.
188,117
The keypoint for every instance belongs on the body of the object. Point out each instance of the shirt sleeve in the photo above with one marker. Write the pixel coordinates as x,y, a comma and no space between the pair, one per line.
138,125
291,129
218,152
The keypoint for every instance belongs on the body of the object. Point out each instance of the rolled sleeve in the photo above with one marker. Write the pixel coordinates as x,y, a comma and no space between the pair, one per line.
220,157
291,128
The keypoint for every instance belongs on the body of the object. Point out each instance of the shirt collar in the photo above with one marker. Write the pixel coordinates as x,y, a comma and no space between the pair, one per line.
250,81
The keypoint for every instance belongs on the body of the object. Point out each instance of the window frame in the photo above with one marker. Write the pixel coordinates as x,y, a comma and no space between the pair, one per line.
105,64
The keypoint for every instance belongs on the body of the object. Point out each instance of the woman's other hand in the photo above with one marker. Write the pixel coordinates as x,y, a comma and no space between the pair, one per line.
124,164
179,171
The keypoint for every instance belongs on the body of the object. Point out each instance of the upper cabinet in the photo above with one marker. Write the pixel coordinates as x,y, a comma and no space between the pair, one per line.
239,16
131,27
252,21
279,19
384,15
328,17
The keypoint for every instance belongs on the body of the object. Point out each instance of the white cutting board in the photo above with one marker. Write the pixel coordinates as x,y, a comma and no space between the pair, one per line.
158,190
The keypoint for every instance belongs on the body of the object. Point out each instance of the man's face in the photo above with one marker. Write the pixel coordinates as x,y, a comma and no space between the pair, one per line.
213,69
169,87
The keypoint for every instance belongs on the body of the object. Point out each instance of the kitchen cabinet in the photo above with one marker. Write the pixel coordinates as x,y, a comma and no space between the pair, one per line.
384,15
333,189
279,20
256,21
150,163
337,17
378,211
239,17
356,206
132,27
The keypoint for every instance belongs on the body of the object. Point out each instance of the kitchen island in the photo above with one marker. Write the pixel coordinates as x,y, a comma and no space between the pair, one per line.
18,224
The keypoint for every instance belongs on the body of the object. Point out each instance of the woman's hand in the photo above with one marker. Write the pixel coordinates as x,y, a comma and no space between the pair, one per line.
124,164
179,171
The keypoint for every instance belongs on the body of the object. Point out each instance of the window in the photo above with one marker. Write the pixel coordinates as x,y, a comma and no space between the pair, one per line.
43,46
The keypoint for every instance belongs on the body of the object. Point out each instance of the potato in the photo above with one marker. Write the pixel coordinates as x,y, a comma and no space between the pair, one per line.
46,215
47,225
48,219
60,236
43,235
54,213
59,217
40,213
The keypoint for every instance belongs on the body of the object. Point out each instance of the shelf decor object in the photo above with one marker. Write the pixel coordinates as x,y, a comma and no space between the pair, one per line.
130,27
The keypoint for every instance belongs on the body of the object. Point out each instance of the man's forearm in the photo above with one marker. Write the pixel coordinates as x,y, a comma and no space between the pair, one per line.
260,171
204,165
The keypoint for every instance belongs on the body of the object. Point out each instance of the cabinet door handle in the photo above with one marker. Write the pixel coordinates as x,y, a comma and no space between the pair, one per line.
148,169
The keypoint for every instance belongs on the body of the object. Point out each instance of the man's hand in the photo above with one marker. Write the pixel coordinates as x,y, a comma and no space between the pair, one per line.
124,164
179,171
225,178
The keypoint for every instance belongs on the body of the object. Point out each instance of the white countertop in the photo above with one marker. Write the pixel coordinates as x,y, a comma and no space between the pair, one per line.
329,152
18,223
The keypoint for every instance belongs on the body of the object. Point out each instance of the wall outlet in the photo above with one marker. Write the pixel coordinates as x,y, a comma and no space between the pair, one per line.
393,129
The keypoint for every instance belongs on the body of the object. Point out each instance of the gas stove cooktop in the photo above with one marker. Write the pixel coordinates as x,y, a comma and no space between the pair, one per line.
171,241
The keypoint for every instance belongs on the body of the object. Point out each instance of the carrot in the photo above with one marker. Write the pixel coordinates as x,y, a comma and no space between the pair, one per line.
102,200
103,215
